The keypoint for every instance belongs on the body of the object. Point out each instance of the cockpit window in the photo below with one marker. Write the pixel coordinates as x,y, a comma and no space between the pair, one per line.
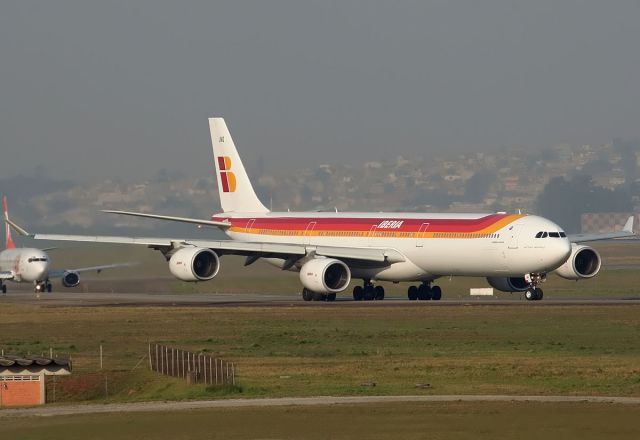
32,259
551,234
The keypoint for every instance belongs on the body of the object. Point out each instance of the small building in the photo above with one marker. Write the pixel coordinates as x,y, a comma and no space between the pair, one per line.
22,379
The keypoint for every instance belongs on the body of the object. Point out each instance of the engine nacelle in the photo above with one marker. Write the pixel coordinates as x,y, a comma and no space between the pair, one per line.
325,275
70,279
508,284
194,264
584,262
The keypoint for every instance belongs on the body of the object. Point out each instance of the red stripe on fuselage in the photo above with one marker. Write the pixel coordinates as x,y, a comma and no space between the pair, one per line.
365,224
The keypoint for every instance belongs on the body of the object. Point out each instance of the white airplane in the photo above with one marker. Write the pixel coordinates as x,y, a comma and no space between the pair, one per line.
514,252
30,265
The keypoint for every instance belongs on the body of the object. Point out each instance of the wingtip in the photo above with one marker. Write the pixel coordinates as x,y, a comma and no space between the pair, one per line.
628,226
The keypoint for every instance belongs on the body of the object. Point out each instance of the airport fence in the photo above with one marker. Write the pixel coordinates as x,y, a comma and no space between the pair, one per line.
194,367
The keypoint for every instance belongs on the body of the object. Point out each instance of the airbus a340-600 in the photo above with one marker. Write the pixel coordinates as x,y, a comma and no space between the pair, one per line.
31,265
514,252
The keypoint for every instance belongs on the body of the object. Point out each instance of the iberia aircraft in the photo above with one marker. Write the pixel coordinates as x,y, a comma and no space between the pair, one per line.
31,265
514,252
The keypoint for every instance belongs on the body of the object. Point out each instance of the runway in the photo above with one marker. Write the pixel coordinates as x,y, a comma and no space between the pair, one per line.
108,299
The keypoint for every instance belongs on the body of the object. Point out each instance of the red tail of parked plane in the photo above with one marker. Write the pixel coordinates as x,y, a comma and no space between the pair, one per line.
9,244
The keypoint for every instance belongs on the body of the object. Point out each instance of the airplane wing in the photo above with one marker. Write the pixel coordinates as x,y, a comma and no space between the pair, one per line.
6,275
221,225
249,249
626,232
59,273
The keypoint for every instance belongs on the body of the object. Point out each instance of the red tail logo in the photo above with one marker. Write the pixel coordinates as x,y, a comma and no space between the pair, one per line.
9,243
227,178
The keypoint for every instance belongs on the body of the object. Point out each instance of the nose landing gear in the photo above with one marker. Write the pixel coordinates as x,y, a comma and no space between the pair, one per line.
41,286
534,292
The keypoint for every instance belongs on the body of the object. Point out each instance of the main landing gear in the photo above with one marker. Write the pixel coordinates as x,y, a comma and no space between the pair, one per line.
309,295
424,292
368,292
3,288
534,293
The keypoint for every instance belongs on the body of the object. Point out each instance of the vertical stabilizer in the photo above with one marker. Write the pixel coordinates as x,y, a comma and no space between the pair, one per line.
9,244
234,186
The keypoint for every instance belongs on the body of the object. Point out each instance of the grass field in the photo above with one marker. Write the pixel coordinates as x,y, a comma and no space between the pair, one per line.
457,420
333,349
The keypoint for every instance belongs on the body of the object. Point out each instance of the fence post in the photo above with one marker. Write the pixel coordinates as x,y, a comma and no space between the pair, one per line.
204,365
150,361
233,373
210,370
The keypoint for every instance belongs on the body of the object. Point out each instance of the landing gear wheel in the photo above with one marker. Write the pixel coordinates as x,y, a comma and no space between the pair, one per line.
331,297
539,294
358,293
412,293
307,295
319,296
436,293
369,293
534,294
424,292
49,287
379,293
4,289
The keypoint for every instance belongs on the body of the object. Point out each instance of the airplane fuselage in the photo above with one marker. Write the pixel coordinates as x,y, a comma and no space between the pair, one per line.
434,245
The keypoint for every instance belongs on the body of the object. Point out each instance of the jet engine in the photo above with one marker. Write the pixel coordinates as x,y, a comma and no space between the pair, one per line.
194,264
325,275
584,262
508,284
70,279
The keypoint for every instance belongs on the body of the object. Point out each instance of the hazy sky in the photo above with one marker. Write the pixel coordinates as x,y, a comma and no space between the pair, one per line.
116,88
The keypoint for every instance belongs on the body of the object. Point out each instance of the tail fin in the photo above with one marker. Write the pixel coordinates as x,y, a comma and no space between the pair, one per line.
7,230
234,186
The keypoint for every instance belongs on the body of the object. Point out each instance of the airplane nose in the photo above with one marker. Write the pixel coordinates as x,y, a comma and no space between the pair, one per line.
564,250
41,271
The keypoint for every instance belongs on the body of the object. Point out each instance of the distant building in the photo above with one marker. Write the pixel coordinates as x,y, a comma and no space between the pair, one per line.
22,378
